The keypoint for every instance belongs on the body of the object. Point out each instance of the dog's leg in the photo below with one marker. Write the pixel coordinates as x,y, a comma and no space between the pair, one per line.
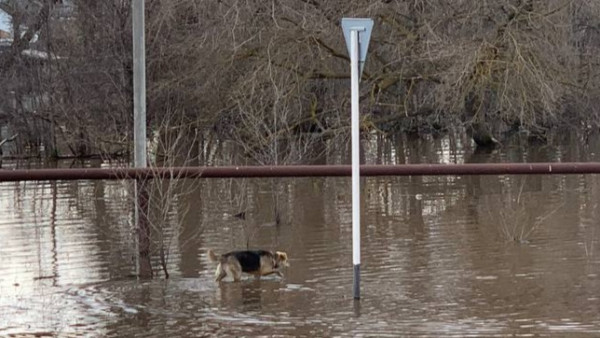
220,273
232,272
276,272
237,276
221,276
235,271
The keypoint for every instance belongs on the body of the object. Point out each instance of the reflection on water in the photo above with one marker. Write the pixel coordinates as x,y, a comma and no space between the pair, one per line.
452,256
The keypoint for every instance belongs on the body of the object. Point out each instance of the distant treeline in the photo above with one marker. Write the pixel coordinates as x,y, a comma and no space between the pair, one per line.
273,76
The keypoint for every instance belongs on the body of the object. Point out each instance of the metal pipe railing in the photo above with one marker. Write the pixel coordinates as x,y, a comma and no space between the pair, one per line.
300,171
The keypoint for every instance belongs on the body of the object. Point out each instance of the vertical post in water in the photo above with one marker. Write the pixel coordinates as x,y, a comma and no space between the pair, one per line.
139,84
357,32
354,74
144,268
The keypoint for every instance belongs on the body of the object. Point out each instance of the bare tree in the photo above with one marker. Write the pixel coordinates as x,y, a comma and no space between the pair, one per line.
273,75
163,203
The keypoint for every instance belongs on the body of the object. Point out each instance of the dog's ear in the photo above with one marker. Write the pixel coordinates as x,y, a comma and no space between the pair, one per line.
282,255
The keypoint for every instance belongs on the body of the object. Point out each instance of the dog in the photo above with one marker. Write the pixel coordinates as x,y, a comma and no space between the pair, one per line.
256,262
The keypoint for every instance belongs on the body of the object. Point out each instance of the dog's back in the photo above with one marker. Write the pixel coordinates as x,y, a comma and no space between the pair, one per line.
249,260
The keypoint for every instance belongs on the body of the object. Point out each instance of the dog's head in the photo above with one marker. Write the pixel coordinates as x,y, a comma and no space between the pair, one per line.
281,259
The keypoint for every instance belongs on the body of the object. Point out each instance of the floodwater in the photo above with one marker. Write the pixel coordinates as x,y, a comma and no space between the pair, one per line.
441,256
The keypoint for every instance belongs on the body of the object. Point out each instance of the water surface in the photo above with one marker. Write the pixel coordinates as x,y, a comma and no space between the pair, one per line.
451,256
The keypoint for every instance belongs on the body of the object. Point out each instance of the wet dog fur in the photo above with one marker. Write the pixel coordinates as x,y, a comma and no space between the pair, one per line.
256,262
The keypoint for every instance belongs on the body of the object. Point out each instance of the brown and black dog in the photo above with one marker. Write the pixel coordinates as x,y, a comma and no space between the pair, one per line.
255,262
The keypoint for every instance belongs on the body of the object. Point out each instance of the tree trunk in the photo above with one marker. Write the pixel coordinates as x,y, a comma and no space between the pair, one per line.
143,230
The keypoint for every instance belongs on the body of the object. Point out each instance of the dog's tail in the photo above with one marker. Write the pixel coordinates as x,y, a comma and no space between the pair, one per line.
212,256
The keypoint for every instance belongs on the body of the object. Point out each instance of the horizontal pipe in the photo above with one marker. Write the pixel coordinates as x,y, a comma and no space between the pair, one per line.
300,171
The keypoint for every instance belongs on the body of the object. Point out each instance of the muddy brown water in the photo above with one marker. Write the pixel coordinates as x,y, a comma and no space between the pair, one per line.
441,256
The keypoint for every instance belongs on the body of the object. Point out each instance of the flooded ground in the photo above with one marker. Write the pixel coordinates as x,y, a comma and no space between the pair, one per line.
451,256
